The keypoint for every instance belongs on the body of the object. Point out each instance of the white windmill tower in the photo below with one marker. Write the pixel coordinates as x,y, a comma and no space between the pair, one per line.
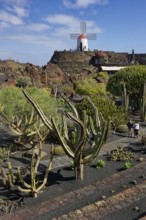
82,38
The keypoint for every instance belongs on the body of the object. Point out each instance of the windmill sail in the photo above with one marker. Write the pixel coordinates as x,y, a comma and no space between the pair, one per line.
82,38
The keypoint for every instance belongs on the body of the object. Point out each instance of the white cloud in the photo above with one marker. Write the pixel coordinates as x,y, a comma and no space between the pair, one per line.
20,11
13,11
37,27
15,2
9,18
64,25
83,3
61,19
33,39
3,25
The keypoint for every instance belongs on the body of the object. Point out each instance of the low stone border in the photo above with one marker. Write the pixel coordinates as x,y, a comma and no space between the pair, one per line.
77,196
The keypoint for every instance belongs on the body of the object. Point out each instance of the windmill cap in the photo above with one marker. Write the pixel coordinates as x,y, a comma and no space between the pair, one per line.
82,36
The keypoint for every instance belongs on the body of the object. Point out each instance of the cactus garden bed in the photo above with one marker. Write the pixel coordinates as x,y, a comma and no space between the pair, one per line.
30,185
110,176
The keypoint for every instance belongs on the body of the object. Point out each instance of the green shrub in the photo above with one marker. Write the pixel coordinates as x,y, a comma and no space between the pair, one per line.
134,78
68,89
104,75
24,81
91,88
15,103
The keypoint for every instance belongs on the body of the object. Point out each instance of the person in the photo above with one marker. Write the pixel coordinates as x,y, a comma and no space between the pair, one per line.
136,129
130,128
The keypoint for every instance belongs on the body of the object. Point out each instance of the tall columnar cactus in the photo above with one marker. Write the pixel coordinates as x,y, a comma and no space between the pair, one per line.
77,150
143,104
34,187
125,97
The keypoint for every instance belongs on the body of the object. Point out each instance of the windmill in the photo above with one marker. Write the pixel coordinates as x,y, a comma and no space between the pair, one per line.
82,38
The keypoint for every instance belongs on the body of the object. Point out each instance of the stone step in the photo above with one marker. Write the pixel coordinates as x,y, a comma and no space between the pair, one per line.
102,208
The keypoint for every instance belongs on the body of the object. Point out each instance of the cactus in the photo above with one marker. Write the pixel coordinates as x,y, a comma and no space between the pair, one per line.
8,179
34,187
26,130
125,97
143,104
78,151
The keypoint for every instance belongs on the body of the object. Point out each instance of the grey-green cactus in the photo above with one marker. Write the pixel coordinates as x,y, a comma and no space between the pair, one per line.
77,150
125,97
26,130
143,105
8,178
34,187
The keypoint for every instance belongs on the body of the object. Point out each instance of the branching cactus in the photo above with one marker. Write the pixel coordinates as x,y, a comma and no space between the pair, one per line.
34,187
79,152
77,149
25,129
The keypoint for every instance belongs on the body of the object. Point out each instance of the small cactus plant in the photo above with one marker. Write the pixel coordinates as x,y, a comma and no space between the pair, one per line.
34,187
100,163
8,179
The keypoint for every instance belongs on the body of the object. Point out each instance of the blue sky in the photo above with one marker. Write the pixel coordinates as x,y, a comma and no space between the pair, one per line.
31,30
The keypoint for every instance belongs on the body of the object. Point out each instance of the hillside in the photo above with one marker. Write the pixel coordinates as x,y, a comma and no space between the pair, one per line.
65,66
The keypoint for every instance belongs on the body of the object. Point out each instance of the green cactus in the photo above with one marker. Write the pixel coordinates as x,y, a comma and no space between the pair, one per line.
35,186
8,179
125,97
78,151
143,105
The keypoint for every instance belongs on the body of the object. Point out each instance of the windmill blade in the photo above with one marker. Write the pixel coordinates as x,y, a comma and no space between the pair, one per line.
74,36
91,36
83,27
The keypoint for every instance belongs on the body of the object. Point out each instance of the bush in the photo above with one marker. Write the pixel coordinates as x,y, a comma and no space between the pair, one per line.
15,103
24,81
91,88
134,78
104,75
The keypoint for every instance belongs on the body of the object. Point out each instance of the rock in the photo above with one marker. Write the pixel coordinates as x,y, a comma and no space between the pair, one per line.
140,159
103,197
136,208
